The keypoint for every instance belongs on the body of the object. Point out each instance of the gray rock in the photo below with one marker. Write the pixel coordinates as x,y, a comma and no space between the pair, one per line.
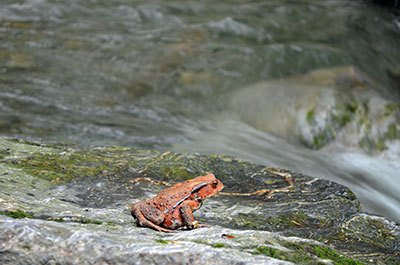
334,108
64,204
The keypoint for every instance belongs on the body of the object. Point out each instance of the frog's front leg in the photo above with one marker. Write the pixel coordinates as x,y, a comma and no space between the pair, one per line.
187,208
149,217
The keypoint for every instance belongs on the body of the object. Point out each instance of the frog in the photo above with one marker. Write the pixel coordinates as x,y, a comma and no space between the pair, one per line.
173,207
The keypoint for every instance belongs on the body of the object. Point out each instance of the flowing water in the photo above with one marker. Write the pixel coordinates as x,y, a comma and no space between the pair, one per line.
162,74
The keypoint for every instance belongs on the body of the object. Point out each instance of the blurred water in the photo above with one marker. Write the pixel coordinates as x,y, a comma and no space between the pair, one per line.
159,75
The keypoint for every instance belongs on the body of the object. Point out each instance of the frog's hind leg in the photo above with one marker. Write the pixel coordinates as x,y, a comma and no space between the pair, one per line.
149,217
142,221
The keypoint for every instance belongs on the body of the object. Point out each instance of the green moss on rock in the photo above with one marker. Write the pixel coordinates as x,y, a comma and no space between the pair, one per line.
306,253
162,241
393,132
295,257
379,236
81,220
218,245
60,167
336,119
338,259
368,143
18,214
89,221
177,171
310,117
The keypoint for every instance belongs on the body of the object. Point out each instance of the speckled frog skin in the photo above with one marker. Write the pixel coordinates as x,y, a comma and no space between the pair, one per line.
173,207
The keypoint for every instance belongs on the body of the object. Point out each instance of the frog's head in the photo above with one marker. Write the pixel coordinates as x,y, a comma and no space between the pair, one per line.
207,186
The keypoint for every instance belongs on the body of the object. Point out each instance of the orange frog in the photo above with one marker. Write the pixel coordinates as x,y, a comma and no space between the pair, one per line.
173,207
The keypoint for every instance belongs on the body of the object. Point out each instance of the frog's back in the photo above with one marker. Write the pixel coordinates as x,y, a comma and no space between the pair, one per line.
170,197
173,196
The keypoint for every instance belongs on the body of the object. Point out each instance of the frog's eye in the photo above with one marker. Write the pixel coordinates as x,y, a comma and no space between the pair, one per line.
214,184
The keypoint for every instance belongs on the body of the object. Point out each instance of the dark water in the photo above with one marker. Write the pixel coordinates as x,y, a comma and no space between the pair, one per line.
160,74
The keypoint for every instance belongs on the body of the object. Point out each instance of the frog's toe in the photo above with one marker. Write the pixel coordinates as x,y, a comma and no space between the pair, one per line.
195,224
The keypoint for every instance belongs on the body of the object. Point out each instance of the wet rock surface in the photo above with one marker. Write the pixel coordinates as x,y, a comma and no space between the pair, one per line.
332,108
64,204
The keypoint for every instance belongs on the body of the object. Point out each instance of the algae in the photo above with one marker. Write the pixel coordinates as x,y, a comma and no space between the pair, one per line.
369,143
379,236
81,220
310,117
295,257
61,165
338,259
336,119
162,241
89,221
305,253
57,219
59,168
18,214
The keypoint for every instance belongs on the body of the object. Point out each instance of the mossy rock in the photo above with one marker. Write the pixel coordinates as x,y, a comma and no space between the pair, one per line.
67,193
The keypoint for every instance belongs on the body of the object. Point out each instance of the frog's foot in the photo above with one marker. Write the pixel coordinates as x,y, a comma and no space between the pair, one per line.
195,225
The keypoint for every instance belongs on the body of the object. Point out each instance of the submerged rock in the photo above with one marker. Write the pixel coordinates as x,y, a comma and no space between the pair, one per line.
335,108
70,205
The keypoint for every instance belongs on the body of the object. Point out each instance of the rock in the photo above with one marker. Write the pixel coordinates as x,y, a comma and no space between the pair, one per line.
64,204
335,108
